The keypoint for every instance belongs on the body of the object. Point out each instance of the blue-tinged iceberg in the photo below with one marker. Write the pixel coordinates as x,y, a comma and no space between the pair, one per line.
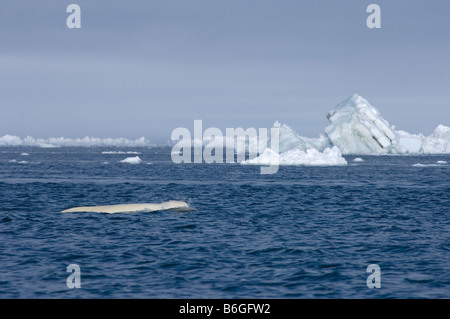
436,143
356,127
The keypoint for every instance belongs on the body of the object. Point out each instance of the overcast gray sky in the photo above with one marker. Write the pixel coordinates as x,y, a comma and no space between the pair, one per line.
143,68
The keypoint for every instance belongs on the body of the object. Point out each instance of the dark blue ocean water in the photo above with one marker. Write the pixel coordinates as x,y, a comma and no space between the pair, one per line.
305,232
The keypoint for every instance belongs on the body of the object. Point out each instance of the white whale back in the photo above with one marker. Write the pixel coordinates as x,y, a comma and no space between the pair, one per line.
133,208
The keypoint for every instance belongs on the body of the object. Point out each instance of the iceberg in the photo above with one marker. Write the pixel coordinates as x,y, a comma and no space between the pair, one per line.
10,140
54,142
289,139
299,150
438,142
311,157
132,160
357,127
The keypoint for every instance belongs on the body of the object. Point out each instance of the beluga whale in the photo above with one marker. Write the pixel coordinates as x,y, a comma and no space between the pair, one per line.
178,206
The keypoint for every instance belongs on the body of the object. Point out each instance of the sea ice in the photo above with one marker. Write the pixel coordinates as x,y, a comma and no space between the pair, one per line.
120,152
311,157
132,160
357,127
289,139
424,165
52,142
